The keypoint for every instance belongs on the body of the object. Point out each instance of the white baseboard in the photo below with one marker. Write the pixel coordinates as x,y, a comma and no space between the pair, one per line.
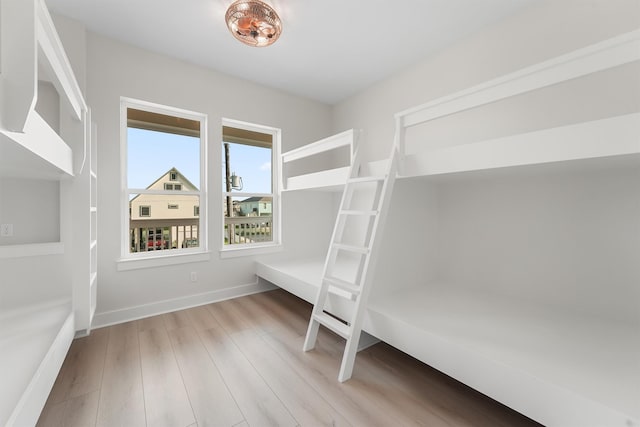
114,317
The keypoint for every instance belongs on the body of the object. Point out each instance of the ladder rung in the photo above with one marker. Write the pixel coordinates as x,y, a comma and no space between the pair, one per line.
360,179
351,248
358,212
343,284
334,324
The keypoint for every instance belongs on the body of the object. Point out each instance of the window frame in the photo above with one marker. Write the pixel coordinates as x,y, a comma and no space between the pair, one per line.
148,215
246,249
172,256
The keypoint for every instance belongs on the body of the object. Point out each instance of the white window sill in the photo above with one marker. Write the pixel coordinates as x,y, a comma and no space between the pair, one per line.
249,250
125,264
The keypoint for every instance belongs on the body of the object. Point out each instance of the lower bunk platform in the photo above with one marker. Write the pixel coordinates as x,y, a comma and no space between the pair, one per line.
554,366
34,341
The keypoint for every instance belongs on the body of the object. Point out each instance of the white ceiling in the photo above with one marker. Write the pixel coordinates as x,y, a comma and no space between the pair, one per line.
329,49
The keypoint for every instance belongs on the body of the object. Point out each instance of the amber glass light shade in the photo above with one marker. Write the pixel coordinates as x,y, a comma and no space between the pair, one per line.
253,22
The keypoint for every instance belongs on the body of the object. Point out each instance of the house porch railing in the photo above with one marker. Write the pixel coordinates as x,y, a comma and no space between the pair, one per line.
248,229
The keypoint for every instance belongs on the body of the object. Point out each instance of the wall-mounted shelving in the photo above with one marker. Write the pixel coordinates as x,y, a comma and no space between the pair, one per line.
43,139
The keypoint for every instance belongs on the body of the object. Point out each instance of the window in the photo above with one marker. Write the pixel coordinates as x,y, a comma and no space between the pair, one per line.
249,186
163,224
196,210
176,187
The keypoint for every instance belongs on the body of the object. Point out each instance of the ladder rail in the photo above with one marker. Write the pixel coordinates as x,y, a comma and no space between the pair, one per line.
351,346
338,229
368,255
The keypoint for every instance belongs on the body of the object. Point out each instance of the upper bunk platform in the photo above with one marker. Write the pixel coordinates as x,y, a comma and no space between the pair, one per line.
581,105
300,169
34,60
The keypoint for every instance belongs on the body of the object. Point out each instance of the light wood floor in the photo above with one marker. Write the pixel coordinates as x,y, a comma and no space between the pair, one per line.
239,363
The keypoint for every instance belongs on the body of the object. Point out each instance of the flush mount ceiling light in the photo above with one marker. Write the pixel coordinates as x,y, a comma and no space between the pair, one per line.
253,22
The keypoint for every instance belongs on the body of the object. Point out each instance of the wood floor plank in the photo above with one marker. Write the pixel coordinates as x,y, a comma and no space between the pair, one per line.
81,372
176,320
152,322
227,314
258,403
52,414
320,369
280,319
166,400
303,401
81,410
122,398
201,318
78,411
210,398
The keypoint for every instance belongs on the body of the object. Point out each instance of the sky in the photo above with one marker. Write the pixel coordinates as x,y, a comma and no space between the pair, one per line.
151,154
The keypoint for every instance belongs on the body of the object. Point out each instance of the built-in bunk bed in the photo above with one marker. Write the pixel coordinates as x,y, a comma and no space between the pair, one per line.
48,261
510,253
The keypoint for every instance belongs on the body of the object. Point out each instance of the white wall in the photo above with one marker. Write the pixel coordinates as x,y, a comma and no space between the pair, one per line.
114,70
548,234
33,207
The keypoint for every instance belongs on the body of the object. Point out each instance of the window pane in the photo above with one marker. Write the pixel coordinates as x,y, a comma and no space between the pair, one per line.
249,168
170,224
152,155
250,221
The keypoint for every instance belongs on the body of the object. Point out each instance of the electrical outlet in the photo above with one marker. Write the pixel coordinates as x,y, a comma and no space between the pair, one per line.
194,276
6,230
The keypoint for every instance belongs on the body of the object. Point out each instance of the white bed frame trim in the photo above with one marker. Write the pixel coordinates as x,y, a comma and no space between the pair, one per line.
600,56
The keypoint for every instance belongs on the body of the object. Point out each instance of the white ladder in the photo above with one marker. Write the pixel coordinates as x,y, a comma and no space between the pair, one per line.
355,288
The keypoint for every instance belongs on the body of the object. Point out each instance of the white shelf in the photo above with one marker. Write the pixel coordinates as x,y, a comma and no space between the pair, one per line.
568,369
28,250
32,51
35,340
38,152
614,136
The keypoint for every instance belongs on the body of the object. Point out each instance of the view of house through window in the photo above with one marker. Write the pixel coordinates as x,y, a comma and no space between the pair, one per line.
163,181
248,191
